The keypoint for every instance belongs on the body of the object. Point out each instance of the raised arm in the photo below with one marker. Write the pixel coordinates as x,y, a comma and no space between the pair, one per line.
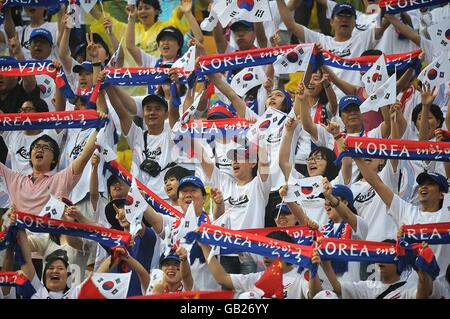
263,162
380,31
63,48
185,268
93,182
226,89
10,27
285,147
130,41
186,8
28,82
386,124
219,204
107,24
118,104
404,29
22,241
137,267
331,95
307,122
375,181
344,86
288,19
80,162
427,98
261,35
155,219
220,275
219,38
315,286
331,275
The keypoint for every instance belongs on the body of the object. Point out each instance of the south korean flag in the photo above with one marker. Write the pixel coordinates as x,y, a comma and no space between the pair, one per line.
300,189
248,10
437,72
440,35
246,80
106,286
135,206
384,95
191,109
187,61
209,23
87,5
295,60
271,120
376,75
53,209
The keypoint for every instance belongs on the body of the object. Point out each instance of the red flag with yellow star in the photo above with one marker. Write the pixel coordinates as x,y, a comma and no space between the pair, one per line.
271,282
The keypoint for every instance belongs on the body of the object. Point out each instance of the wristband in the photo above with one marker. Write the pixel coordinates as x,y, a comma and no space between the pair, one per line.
336,137
97,64
326,87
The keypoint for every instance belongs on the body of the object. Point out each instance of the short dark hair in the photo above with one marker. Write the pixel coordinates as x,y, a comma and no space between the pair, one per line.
97,38
178,172
372,52
434,109
154,3
53,145
393,241
39,104
331,170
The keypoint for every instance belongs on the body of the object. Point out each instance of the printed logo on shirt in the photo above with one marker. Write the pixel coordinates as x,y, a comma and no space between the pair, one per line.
365,197
153,154
243,199
275,137
24,153
362,27
344,53
76,151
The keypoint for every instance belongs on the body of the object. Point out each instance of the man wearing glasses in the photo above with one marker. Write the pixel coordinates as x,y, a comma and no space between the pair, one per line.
29,193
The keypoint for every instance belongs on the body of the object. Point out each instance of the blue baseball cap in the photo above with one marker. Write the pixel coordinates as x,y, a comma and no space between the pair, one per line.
343,192
246,24
191,180
435,177
41,32
344,7
220,110
349,100
283,208
85,66
170,256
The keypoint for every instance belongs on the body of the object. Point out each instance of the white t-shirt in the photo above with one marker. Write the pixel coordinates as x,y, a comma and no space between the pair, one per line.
295,286
371,207
19,147
160,148
351,48
405,213
441,289
246,204
372,289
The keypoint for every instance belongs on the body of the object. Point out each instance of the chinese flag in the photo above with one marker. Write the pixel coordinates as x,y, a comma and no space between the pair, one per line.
271,282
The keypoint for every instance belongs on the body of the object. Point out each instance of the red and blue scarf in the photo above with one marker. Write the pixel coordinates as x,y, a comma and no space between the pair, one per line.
395,149
50,120
24,289
396,6
104,236
260,245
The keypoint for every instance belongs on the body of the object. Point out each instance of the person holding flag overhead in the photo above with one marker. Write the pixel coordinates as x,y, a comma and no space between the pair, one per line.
293,284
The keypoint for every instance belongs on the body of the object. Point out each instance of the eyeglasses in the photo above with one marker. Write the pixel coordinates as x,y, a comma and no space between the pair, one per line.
43,147
315,158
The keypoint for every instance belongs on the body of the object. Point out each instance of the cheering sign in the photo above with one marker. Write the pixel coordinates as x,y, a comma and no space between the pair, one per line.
50,120
397,149
396,6
104,236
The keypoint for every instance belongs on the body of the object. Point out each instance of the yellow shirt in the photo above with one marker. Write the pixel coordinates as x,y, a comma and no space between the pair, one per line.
145,39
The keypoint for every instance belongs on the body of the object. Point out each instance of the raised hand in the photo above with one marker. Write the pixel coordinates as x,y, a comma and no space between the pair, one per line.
290,124
217,196
186,6
14,45
107,24
427,95
283,190
275,39
91,48
182,253
327,188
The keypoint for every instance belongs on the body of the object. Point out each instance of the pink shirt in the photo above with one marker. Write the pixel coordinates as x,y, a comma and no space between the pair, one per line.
31,197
